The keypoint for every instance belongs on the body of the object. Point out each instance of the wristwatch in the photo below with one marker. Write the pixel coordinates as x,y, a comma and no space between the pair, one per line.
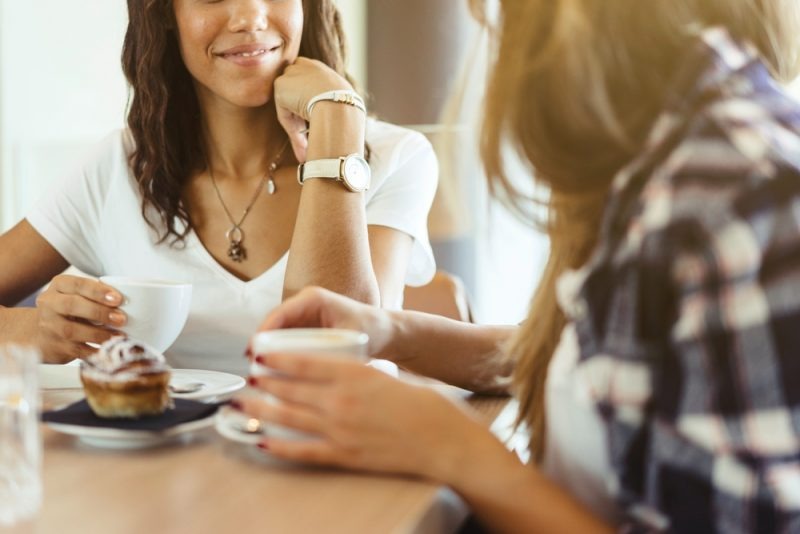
353,171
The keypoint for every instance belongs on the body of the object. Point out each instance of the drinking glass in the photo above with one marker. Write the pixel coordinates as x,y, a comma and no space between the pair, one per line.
20,442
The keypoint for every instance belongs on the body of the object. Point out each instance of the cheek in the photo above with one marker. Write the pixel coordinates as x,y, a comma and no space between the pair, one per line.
293,29
193,38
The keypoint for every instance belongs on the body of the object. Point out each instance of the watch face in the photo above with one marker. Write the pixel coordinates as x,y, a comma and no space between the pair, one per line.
356,173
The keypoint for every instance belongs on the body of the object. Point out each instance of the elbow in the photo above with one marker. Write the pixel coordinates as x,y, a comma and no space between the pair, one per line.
371,297
367,293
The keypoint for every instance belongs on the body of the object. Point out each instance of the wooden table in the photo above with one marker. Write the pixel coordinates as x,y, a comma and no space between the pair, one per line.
210,485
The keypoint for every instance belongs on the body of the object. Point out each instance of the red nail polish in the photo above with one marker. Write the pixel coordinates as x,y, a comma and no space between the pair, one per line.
263,446
236,405
251,381
260,359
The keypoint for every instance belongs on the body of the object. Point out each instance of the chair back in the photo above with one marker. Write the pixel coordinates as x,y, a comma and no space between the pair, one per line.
444,295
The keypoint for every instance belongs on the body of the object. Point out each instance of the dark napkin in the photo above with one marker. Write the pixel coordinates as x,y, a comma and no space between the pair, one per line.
81,414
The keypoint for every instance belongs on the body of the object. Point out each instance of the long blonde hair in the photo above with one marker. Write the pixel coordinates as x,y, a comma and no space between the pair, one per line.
575,88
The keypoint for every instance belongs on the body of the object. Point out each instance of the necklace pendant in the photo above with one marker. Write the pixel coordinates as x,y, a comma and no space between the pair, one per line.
271,186
236,252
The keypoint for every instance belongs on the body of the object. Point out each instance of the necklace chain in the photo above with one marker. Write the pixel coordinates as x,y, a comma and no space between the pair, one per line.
235,235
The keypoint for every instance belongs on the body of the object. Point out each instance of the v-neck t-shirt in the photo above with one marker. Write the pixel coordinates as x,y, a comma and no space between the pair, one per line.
94,220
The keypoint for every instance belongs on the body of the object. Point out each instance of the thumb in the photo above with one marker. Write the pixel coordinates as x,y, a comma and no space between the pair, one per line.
302,310
296,130
299,146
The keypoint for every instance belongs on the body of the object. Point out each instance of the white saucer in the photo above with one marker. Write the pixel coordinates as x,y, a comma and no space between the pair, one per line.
229,424
115,438
216,387
59,376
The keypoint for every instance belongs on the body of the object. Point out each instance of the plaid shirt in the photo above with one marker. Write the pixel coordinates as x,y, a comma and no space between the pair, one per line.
688,312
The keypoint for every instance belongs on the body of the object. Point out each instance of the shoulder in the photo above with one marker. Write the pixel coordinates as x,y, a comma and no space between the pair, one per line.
108,158
738,144
737,164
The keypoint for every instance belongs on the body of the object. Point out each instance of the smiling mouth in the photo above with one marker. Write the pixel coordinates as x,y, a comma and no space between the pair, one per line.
251,53
254,53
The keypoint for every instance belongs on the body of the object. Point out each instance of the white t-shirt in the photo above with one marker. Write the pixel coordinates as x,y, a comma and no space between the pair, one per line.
94,221
576,454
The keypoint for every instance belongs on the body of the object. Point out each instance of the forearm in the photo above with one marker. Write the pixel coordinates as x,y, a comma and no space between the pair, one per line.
330,246
18,325
508,496
518,498
462,354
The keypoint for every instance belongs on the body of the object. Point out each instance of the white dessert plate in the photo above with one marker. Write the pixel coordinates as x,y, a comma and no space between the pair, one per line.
205,385
60,376
115,438
213,385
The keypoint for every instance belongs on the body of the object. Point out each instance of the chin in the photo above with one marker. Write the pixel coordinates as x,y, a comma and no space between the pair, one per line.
254,94
254,101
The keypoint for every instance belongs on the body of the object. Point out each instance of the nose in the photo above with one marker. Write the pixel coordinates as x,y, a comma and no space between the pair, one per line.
248,16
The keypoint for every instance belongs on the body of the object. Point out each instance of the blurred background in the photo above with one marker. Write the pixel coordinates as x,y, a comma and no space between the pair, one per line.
62,90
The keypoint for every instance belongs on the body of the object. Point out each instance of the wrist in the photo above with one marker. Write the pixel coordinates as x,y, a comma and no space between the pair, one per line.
341,96
478,463
335,130
397,344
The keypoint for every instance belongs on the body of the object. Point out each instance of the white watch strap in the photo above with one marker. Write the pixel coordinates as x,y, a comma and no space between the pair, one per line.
322,168
343,97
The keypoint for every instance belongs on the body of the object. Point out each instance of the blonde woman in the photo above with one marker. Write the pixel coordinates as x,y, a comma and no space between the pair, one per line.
657,370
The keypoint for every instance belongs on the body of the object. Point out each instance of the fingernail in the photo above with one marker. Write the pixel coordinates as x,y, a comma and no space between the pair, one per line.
116,318
236,405
260,359
111,297
251,381
263,445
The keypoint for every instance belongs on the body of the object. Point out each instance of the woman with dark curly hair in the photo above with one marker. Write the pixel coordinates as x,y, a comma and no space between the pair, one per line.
227,99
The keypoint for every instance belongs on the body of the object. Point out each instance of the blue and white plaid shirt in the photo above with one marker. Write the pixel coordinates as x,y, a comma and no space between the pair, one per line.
688,315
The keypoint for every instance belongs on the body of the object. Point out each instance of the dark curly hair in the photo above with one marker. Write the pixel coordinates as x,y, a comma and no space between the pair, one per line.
163,111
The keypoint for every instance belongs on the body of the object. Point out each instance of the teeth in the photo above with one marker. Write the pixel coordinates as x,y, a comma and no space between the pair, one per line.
250,54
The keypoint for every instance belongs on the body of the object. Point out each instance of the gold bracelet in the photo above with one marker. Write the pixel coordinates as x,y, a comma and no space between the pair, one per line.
348,97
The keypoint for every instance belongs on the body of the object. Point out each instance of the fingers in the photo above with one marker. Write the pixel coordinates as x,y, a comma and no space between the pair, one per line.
299,145
70,330
295,127
81,351
303,80
290,416
65,351
309,394
81,298
71,305
87,288
302,310
315,452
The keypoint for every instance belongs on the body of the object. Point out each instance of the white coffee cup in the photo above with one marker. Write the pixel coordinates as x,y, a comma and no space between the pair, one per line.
156,309
320,342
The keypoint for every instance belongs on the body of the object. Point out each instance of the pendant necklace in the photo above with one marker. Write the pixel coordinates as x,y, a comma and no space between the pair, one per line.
235,235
